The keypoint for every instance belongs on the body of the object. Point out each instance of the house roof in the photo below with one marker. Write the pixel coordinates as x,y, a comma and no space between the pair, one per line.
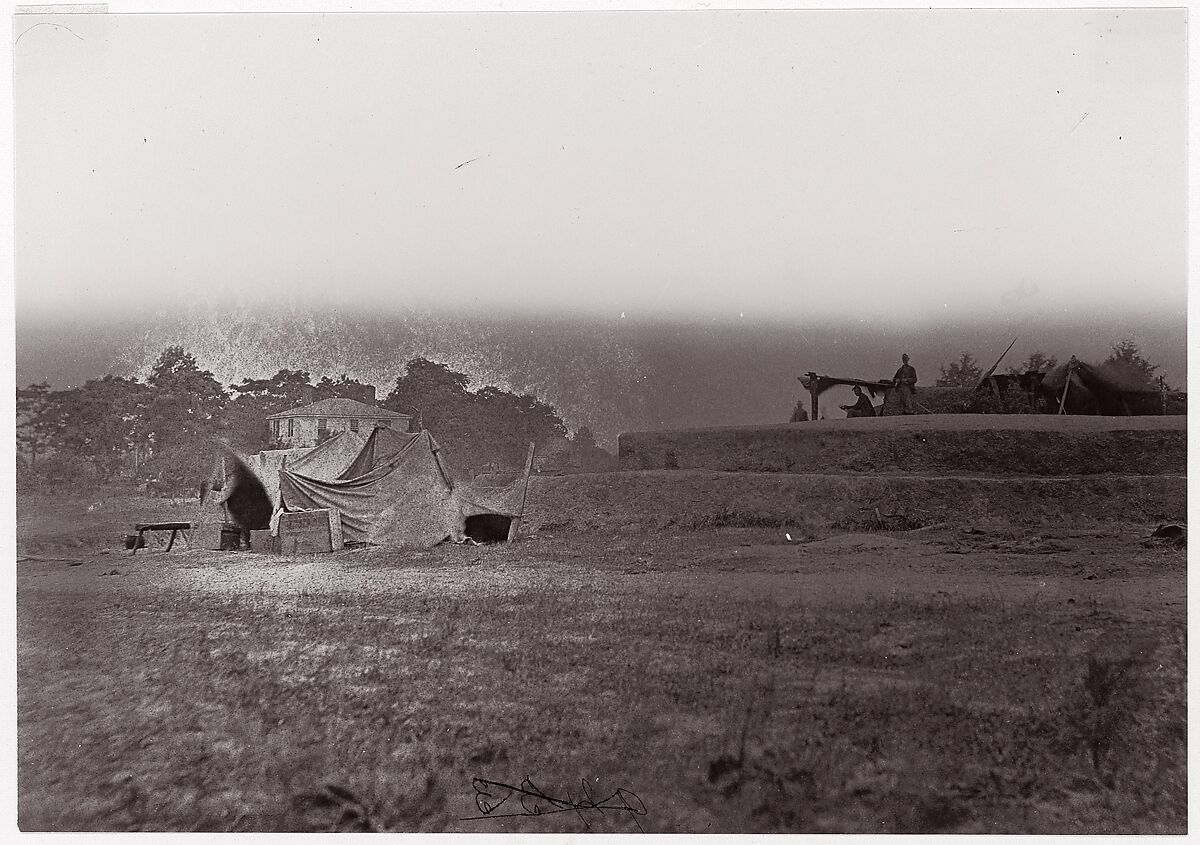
340,408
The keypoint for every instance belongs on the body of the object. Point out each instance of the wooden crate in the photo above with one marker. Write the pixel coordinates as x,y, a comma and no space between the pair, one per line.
310,532
261,542
214,536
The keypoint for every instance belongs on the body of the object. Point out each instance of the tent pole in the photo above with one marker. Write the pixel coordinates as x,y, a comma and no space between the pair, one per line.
512,526
1062,403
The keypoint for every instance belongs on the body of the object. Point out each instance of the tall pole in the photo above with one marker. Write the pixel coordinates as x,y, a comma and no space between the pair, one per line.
515,524
1062,403
992,369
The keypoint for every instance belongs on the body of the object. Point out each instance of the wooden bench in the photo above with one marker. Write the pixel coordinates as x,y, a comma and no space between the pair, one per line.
174,527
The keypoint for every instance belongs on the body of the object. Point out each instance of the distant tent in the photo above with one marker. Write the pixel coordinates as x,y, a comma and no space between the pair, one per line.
1091,390
405,499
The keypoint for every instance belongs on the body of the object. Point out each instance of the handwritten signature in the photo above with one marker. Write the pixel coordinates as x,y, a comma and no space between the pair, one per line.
492,796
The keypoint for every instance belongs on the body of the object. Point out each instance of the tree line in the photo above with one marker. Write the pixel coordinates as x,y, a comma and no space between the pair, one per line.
162,430
1125,362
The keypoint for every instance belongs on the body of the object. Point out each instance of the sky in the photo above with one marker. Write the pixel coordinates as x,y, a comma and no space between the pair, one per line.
903,165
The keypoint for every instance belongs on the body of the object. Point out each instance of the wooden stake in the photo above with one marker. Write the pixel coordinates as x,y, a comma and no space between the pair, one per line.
813,391
1062,403
516,523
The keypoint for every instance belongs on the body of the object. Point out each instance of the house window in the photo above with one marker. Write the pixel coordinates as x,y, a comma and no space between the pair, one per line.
322,425
276,423
354,425
291,426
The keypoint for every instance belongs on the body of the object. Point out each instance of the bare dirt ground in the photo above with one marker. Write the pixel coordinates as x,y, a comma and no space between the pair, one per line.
979,676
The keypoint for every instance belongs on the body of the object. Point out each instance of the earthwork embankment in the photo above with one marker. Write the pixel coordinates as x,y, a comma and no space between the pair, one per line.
887,473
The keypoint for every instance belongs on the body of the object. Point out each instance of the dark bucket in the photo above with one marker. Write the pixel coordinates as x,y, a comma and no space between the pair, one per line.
231,537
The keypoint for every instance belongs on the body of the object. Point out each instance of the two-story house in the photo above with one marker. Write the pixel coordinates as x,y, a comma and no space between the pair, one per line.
315,423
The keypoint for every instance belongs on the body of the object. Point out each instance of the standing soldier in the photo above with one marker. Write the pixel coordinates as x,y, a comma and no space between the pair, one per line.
905,382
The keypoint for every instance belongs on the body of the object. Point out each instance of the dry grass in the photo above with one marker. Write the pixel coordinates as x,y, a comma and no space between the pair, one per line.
163,704
653,500
953,444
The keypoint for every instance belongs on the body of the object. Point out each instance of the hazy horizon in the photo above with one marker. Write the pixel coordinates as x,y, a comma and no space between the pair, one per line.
612,375
1164,335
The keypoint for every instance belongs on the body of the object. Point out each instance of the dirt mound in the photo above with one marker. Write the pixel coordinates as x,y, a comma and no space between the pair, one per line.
950,443
691,499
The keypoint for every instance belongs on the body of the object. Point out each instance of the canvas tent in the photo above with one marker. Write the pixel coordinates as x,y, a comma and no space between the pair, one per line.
267,464
330,459
382,444
1094,390
231,495
401,498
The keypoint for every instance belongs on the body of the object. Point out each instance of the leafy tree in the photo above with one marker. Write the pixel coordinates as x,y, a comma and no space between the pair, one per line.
584,438
183,416
589,456
432,391
37,421
1127,365
61,469
509,423
538,421
286,389
101,422
344,388
186,401
1037,361
964,372
523,417
256,399
488,425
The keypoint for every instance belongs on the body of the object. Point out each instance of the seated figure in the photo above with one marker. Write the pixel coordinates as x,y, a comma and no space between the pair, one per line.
861,408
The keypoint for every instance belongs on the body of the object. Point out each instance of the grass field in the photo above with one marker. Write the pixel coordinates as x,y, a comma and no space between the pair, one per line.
947,444
972,678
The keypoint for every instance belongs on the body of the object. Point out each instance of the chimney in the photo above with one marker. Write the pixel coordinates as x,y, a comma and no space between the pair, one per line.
308,394
369,394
